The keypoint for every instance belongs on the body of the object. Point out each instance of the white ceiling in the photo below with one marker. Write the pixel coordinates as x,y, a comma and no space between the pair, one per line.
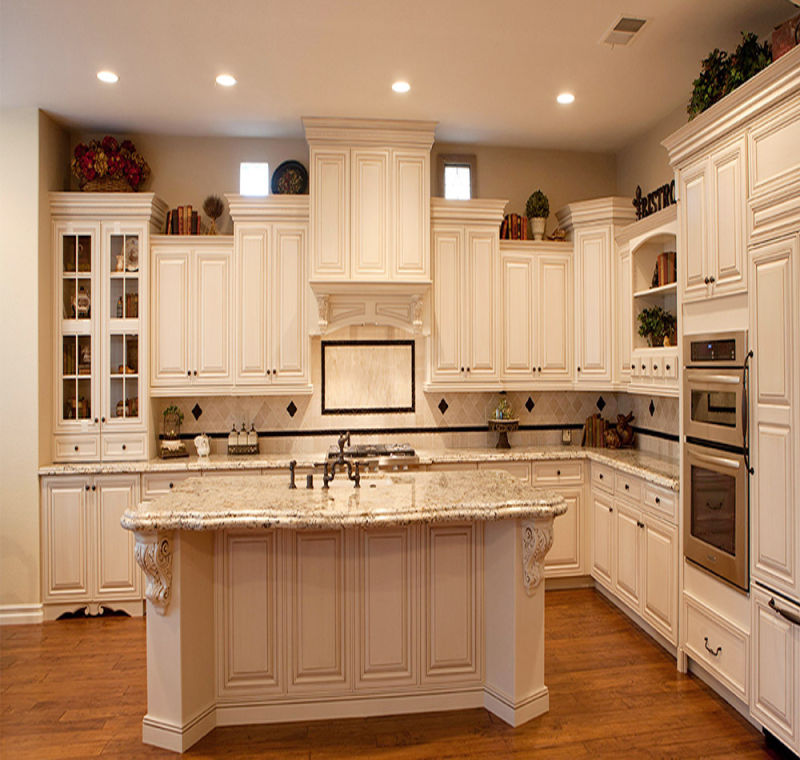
488,71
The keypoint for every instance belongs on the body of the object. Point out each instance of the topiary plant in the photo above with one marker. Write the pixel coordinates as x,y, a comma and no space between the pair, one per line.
655,324
537,206
710,85
748,59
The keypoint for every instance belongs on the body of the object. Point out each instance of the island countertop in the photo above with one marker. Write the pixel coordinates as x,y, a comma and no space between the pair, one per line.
263,501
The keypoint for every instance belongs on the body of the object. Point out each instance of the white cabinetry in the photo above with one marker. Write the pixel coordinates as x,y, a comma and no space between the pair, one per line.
100,244
464,350
87,558
537,331
593,226
192,314
370,196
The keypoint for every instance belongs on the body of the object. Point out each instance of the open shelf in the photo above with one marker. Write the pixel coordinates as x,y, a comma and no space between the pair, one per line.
671,287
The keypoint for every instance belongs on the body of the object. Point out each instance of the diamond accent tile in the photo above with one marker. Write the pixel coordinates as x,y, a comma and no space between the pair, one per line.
196,411
529,404
651,408
601,403
291,409
443,406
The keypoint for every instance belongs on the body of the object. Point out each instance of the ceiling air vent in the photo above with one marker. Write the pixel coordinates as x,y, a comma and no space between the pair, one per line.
623,32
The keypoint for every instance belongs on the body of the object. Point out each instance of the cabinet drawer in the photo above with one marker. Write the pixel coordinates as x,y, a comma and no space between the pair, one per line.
628,487
521,470
156,484
76,448
657,367
718,645
556,473
661,501
122,446
671,367
602,477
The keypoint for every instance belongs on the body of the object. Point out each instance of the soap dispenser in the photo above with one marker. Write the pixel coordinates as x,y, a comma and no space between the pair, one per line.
242,440
252,436
233,438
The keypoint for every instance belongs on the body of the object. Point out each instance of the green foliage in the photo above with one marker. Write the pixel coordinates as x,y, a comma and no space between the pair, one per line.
721,73
537,205
173,410
655,324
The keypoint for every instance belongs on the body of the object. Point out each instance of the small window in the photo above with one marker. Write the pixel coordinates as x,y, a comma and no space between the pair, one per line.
253,179
457,177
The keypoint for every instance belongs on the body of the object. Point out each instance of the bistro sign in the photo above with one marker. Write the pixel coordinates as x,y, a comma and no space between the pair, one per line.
659,199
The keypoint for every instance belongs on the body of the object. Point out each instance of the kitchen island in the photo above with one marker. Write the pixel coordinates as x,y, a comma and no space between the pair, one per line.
414,592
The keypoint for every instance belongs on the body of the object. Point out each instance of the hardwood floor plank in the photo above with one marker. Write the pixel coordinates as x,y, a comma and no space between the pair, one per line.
77,688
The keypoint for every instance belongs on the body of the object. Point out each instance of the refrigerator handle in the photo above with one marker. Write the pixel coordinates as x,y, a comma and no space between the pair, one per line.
746,413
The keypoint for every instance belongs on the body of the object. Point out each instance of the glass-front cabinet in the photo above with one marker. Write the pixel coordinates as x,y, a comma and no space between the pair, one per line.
100,243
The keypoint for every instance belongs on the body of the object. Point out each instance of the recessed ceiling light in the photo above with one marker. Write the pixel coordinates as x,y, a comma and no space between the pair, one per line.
226,80
401,86
565,98
107,76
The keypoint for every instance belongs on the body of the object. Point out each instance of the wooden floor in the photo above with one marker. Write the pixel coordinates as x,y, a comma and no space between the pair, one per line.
76,688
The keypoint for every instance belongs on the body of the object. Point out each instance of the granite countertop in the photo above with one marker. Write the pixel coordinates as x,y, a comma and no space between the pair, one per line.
262,501
655,469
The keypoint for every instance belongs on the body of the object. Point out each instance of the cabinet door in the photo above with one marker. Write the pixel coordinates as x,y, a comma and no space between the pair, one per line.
693,210
728,264
369,214
773,329
411,178
446,335
519,303
565,558
624,318
65,539
602,539
554,318
253,314
593,296
660,588
116,574
628,555
481,299
170,307
330,221
212,317
776,660
289,336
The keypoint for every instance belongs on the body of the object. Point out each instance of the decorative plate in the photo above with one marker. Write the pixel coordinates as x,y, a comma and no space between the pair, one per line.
290,178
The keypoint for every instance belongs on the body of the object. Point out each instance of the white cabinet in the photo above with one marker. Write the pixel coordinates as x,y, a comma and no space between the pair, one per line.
774,334
603,528
627,555
370,199
775,697
712,223
192,315
100,316
537,332
87,557
624,317
464,347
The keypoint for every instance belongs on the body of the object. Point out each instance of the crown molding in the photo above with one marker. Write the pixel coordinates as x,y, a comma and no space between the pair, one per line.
668,215
140,206
611,210
477,210
394,132
268,209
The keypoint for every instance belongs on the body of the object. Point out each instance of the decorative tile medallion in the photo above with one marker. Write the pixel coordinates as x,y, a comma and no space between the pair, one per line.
443,405
291,409
196,411
651,408
529,404
601,403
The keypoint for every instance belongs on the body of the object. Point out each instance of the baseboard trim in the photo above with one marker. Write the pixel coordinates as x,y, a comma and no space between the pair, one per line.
176,738
561,583
516,713
21,614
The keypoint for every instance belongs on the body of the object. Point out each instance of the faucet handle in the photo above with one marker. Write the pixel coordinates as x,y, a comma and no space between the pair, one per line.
344,438
292,465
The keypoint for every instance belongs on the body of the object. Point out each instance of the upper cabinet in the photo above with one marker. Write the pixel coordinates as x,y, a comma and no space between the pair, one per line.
466,271
592,226
370,199
100,245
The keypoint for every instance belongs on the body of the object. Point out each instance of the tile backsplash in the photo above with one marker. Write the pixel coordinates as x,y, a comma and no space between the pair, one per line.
280,415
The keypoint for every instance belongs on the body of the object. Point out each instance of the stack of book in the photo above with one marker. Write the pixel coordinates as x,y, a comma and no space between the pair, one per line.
514,227
594,431
184,221
666,268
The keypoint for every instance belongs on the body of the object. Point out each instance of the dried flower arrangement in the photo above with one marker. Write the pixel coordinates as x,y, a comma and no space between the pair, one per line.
213,207
109,165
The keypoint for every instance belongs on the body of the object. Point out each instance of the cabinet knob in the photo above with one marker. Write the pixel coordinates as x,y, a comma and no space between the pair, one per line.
712,279
195,373
76,448
87,486
579,369
94,488
467,369
600,476
640,523
171,485
611,509
274,371
627,487
539,369
102,419
558,472
643,366
95,420
706,280
633,366
188,373
462,369
667,367
124,446
658,501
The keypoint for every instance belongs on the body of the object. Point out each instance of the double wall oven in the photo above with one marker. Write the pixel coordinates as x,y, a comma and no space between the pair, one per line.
716,455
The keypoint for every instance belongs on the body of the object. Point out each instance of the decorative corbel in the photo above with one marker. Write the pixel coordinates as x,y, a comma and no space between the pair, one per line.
537,538
323,309
416,313
153,553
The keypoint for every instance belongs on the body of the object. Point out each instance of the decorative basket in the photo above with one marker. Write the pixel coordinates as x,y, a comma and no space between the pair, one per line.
107,185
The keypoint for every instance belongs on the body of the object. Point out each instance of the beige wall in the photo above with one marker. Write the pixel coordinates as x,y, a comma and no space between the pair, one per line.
644,162
514,173
186,170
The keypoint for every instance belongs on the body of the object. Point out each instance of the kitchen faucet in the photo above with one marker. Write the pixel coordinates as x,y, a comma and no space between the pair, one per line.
344,438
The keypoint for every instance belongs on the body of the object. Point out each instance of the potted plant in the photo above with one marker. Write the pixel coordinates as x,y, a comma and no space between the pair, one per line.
537,209
657,325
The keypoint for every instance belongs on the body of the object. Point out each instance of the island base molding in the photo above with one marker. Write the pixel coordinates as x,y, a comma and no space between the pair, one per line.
279,625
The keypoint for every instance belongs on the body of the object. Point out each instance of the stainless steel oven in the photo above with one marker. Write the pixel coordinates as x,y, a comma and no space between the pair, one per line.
716,455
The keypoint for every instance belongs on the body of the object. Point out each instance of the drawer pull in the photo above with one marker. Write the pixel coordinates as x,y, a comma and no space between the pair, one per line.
611,509
640,523
715,652
124,446
558,472
627,487
790,616
76,448
667,368
655,366
658,500
171,485
600,476
94,488
87,486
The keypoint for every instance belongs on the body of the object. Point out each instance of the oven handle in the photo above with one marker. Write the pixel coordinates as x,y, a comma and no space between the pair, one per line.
790,616
721,379
724,461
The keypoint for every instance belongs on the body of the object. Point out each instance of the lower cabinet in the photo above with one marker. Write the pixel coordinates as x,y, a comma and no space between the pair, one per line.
602,539
775,694
87,558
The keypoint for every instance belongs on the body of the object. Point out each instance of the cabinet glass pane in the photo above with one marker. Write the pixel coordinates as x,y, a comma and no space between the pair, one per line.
84,253
69,247
69,351
131,306
84,405
116,252
68,289
82,302
84,355
69,411
123,373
